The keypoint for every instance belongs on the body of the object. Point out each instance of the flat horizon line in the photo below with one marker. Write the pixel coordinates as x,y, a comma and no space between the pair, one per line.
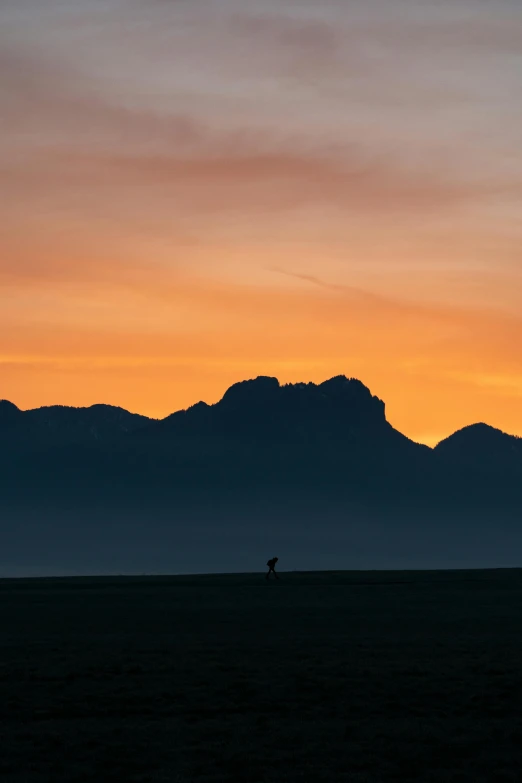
217,574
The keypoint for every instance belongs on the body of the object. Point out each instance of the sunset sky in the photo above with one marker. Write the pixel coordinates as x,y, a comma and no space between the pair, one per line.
195,192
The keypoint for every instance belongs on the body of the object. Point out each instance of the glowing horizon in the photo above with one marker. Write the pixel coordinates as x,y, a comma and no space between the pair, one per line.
196,194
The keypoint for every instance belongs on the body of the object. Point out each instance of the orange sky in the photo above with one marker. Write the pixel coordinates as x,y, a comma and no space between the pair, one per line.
194,194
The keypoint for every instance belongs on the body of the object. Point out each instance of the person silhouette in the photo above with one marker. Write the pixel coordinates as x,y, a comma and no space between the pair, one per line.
271,567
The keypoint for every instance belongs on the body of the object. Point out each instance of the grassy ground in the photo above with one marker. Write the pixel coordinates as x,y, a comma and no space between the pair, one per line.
317,677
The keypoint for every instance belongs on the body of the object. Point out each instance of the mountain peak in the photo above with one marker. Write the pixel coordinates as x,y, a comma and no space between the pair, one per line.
340,395
8,410
339,381
479,434
340,385
484,447
257,390
6,404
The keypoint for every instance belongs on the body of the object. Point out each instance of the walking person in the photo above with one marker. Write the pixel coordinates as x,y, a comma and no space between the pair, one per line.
271,567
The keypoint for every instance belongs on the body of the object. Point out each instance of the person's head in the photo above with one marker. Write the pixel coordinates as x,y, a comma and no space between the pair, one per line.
276,559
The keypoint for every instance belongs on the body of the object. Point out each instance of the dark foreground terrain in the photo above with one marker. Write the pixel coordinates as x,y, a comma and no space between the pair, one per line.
383,676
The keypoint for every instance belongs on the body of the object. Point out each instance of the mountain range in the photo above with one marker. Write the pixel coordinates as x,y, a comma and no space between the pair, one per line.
311,472
261,434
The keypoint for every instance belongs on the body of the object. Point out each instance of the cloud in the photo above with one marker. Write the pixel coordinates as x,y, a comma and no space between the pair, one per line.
79,139
46,99
465,31
222,177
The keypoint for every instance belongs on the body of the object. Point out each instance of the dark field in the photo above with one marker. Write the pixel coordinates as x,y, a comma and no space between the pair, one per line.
342,676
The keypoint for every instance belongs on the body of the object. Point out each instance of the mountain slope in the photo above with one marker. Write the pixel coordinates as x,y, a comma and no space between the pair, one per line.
261,442
57,426
333,414
263,433
311,472
482,447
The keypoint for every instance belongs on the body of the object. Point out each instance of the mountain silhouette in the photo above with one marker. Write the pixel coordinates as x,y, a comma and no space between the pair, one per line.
482,447
261,440
338,412
59,425
311,470
277,438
